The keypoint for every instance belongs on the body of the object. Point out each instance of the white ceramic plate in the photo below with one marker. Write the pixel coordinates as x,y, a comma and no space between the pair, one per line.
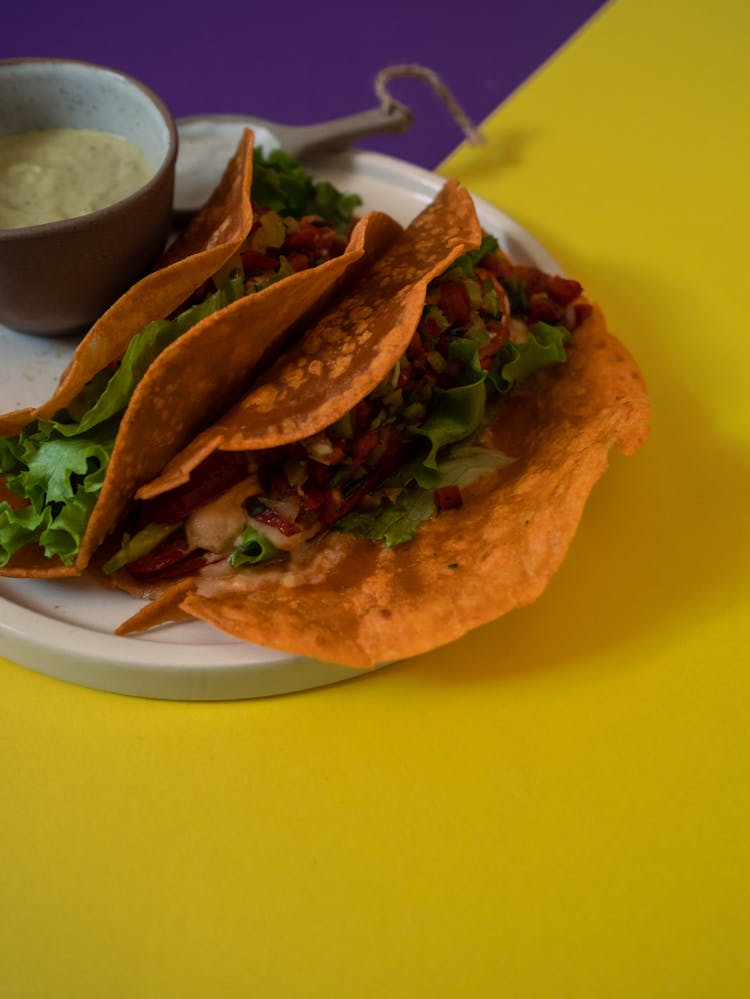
64,628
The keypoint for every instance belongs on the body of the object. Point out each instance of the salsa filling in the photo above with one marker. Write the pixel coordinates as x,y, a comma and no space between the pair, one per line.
400,456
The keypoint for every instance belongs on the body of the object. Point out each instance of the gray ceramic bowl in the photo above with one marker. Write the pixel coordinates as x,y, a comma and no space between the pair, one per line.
58,277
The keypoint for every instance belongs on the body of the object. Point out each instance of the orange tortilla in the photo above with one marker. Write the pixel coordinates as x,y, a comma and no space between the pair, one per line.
351,348
355,602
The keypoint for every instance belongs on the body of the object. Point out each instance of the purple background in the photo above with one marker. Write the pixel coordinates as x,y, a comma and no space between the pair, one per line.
299,63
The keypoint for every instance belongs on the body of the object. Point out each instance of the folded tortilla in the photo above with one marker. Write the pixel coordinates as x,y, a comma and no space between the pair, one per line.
358,602
196,376
352,347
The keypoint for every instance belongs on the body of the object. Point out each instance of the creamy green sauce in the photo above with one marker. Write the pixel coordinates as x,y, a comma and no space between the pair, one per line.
60,173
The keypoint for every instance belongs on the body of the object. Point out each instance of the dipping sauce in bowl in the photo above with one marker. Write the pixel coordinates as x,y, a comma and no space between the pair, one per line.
87,166
60,173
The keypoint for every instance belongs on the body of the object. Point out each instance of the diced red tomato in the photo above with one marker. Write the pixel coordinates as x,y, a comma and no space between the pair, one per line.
314,496
274,519
298,261
432,327
362,414
543,309
315,240
252,260
499,333
416,352
563,290
495,262
448,498
335,506
364,445
454,303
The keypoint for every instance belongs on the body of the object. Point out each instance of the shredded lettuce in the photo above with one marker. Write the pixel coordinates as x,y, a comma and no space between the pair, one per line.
281,184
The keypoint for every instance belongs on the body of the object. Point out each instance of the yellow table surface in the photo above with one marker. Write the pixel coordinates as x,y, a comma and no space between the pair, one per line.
556,805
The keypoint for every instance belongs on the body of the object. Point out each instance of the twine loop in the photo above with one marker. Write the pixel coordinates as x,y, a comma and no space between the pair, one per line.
415,71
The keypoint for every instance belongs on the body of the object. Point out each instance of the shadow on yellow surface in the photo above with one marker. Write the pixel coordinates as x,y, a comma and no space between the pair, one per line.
664,539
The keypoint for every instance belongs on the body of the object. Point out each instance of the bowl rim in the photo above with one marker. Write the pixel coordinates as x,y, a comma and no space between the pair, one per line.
78,222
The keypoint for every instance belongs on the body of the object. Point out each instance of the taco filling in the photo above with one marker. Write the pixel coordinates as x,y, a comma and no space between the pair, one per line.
400,456
55,467
297,223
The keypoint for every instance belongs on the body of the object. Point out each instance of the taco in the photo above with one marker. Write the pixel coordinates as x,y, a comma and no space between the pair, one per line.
173,353
415,465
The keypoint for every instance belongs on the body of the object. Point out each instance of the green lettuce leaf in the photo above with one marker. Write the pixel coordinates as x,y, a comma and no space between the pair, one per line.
397,521
544,345
457,412
392,522
461,465
455,415
61,477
